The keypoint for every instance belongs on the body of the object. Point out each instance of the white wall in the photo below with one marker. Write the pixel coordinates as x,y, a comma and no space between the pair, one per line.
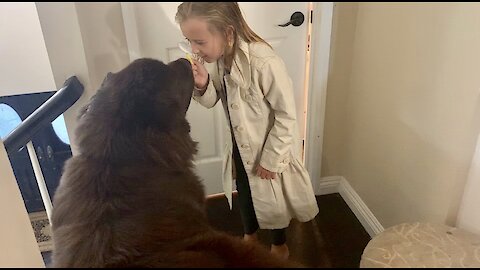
24,65
403,111
18,246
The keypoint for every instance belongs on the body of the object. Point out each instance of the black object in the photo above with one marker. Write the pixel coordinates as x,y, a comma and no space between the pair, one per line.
296,19
44,115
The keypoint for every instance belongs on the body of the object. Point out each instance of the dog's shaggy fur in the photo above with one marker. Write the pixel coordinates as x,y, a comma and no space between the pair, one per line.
130,197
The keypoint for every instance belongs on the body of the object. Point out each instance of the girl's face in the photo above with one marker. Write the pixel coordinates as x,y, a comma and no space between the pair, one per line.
205,40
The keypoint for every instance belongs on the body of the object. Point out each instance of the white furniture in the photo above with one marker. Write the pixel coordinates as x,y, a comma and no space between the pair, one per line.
420,245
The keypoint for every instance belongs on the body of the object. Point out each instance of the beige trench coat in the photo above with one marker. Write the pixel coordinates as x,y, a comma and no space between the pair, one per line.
261,110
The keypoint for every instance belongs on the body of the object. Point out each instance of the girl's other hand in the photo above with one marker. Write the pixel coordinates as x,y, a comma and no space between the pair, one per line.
264,173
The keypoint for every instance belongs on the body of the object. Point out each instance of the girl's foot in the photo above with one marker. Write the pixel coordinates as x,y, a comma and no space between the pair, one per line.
280,250
250,238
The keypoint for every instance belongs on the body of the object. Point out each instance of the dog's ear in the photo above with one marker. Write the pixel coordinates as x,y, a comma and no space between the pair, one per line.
106,79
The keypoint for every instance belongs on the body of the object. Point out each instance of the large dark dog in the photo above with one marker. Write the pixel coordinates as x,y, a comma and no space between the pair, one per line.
130,197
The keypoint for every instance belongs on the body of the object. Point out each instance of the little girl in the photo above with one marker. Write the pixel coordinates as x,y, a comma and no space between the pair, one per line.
256,91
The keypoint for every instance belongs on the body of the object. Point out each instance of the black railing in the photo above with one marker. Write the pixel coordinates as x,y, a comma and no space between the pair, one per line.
63,99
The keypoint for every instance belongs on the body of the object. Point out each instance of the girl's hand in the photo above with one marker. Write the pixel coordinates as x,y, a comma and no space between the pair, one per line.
200,74
264,173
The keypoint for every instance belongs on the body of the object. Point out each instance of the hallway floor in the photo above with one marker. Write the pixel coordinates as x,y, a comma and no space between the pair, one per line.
334,239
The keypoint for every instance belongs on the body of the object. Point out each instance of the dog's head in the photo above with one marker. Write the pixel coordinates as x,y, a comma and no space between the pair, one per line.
146,96
149,92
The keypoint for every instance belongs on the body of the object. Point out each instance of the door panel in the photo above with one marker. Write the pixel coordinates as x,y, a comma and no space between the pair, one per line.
151,31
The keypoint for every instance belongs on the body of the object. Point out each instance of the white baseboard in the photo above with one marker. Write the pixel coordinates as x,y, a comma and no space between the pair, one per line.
338,184
328,185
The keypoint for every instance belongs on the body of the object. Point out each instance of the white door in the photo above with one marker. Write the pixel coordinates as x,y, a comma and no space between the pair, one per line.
151,31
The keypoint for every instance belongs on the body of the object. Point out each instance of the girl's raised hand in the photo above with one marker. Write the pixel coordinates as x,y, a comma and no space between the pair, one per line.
200,74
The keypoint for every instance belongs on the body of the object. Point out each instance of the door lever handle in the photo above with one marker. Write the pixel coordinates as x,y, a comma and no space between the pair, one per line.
296,19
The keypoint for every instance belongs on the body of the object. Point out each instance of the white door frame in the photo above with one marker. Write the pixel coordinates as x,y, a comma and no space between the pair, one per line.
317,87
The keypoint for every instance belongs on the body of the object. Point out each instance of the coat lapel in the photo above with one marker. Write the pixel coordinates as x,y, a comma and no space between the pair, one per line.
240,73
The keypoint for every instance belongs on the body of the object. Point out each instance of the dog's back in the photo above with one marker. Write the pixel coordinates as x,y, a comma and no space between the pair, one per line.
130,197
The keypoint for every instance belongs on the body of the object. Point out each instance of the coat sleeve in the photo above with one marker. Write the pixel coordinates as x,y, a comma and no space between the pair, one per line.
211,95
209,98
277,88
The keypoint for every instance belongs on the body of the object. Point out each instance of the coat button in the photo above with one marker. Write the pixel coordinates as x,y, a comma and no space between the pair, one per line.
249,162
245,145
285,161
240,128
235,106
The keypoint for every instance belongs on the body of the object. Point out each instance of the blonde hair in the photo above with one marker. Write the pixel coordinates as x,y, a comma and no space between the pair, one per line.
221,15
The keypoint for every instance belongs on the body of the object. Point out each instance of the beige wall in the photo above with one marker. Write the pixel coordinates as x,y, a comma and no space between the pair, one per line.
103,37
468,214
86,40
59,41
24,64
403,111
18,247
44,43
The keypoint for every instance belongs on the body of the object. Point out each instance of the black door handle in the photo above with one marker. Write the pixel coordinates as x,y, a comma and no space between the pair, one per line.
296,19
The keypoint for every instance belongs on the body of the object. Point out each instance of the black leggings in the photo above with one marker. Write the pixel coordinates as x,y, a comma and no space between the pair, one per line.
247,212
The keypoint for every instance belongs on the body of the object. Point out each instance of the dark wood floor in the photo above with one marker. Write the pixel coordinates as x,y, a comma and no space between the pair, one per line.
334,239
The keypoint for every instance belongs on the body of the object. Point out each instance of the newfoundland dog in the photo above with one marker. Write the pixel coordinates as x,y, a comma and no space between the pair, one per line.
130,197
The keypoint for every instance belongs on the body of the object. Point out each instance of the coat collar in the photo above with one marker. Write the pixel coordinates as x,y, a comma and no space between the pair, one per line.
240,72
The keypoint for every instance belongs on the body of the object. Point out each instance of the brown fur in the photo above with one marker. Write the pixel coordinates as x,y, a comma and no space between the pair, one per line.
130,197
